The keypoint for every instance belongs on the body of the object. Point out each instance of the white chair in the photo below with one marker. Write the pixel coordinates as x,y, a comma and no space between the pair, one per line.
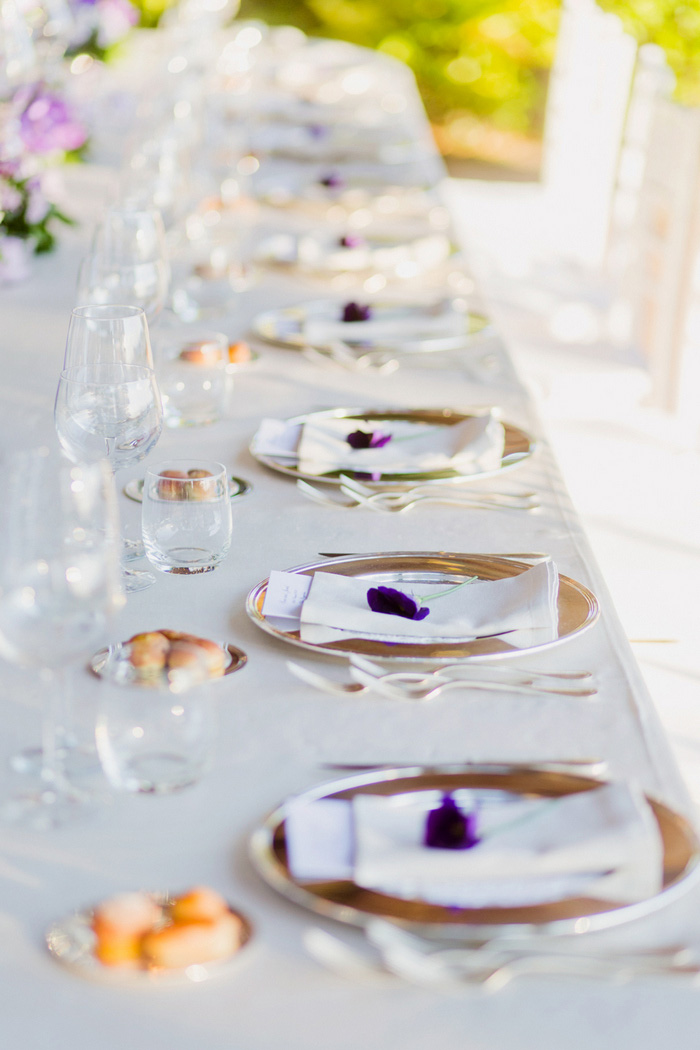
586,108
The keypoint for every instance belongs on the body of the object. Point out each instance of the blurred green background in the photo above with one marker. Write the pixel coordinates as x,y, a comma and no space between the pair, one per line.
482,66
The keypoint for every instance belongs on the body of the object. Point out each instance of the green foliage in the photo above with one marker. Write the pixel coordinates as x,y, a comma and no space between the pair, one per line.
16,223
486,57
674,25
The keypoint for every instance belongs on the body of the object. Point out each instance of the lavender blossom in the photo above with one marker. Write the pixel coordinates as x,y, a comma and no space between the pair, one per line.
14,262
47,123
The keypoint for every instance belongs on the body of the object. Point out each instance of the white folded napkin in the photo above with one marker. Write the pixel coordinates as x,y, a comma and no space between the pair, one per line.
278,438
388,330
337,608
603,843
325,252
472,447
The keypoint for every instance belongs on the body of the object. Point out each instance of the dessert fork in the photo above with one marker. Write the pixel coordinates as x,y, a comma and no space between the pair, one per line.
430,488
490,966
394,685
463,670
355,500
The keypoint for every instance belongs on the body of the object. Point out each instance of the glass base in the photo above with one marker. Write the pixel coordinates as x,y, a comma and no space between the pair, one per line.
132,550
46,808
185,560
159,773
80,764
137,579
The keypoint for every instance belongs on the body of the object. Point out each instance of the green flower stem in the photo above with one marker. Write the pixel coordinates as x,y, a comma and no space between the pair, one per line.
441,594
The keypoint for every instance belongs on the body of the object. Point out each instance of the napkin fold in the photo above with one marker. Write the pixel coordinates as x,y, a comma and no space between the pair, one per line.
424,252
388,330
604,843
471,447
337,608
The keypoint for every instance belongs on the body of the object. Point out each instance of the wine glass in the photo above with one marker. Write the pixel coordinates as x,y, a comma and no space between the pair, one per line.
127,263
59,586
110,410
110,335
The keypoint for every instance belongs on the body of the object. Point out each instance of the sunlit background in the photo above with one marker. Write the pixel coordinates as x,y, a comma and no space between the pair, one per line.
482,67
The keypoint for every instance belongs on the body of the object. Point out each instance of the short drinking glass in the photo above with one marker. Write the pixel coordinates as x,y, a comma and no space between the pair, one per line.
192,376
186,516
155,741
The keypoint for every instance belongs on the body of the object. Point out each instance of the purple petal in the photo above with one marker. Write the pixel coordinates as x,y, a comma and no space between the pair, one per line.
356,312
359,439
449,828
368,439
394,603
351,240
333,181
379,439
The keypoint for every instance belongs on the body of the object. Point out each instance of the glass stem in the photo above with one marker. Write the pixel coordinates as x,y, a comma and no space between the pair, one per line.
54,729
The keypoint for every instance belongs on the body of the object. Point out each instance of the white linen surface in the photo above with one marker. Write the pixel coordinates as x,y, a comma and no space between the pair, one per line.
337,608
603,843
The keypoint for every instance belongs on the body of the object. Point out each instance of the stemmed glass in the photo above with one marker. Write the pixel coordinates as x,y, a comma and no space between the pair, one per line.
108,404
59,585
127,263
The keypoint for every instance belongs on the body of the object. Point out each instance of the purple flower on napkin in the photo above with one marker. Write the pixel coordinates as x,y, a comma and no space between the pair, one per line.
356,312
447,827
351,240
394,603
318,131
363,439
332,181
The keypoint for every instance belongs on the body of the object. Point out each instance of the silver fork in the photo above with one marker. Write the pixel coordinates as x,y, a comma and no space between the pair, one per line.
462,670
355,500
430,488
394,685
379,502
490,966
341,354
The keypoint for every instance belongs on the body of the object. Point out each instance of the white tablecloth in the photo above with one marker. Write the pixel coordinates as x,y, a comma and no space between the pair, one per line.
276,731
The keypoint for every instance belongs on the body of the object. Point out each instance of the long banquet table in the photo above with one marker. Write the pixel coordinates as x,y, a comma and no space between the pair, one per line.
276,732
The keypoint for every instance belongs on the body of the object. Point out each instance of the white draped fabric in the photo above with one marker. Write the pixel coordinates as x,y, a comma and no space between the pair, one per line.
276,732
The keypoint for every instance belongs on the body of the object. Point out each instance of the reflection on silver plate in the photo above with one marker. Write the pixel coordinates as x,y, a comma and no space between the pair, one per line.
239,487
71,942
345,901
287,326
577,606
518,445
113,663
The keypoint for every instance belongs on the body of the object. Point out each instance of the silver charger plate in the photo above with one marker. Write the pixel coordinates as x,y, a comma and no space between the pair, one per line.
577,606
239,487
71,942
286,326
349,903
518,446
